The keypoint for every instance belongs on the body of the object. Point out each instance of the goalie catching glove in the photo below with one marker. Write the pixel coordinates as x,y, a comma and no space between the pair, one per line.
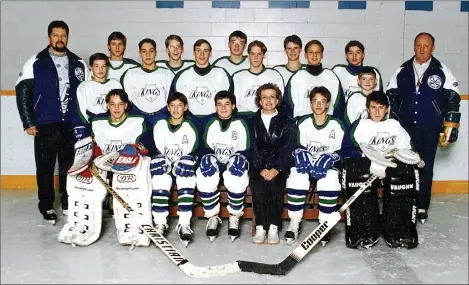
449,131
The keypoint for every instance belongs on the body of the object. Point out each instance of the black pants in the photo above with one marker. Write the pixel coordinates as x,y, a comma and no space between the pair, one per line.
267,199
425,141
52,141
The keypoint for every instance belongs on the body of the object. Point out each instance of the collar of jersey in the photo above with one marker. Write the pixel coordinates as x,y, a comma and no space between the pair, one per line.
323,125
262,71
232,62
168,121
149,71
117,125
105,81
118,67
227,126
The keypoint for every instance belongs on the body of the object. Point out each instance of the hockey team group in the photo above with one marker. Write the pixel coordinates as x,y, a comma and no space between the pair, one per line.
195,125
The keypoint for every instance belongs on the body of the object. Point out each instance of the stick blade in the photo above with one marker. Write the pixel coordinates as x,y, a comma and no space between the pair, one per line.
281,268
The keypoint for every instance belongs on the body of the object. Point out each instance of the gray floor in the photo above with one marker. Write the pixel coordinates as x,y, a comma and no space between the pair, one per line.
30,252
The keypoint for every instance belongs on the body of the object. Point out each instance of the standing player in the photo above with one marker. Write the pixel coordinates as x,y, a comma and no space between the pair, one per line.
292,45
320,139
304,80
227,141
247,81
91,95
118,64
148,86
202,81
174,49
236,61
348,74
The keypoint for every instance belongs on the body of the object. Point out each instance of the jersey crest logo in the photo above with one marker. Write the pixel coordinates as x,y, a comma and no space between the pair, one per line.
173,152
222,152
234,135
308,91
113,145
382,141
332,135
251,92
316,147
185,140
434,82
201,94
151,92
100,101
79,74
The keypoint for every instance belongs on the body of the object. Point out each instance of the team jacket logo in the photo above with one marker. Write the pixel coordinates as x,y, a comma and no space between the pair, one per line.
113,145
100,101
251,92
223,151
434,82
382,141
126,178
315,147
79,74
402,187
201,94
151,92
173,152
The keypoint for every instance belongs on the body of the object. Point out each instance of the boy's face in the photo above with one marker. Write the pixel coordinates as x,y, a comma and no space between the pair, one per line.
256,57
367,82
116,108
99,69
237,46
293,51
202,54
319,104
355,56
174,50
117,48
377,112
314,55
224,108
148,54
177,108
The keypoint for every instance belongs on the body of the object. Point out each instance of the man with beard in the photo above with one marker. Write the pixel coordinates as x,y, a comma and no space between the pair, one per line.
45,91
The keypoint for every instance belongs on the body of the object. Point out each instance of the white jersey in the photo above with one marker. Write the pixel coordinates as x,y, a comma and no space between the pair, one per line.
226,63
285,72
301,84
91,97
225,142
246,83
185,64
355,108
349,80
174,143
111,137
200,90
320,139
117,68
148,90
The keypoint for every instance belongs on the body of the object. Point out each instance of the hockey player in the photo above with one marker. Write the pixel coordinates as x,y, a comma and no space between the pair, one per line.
292,45
172,143
91,95
118,64
304,80
400,184
227,142
148,86
174,49
202,81
320,139
247,81
348,74
236,60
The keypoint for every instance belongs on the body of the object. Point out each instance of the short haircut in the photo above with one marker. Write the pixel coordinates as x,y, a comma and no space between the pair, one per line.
99,56
225,94
292,39
267,86
145,41
57,24
177,96
200,42
122,95
367,70
354,43
314,42
425,33
257,43
320,90
116,36
238,34
377,97
175,38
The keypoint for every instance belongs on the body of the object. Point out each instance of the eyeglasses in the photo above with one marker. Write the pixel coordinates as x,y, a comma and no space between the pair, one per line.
319,102
175,47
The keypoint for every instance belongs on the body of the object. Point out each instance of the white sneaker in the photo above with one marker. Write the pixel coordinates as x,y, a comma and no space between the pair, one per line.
260,235
272,235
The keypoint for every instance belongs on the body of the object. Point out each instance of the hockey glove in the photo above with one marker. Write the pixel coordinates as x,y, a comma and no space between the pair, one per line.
449,131
185,166
127,159
303,160
141,148
158,165
208,165
323,163
237,164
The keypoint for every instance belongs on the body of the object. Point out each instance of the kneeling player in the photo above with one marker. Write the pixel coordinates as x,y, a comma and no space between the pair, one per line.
226,139
400,184
320,139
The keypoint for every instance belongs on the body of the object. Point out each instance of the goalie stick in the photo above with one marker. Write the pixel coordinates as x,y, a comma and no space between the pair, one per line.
307,244
162,243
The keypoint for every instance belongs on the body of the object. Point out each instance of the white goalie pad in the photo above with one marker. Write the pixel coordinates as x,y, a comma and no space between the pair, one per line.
85,199
83,155
135,185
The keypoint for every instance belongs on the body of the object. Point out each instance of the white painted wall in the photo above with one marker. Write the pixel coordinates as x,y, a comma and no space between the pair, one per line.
385,28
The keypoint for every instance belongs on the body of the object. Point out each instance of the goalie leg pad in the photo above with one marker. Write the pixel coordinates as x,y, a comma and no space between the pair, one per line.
328,191
136,186
297,189
85,198
362,217
160,194
186,186
236,186
209,194
400,193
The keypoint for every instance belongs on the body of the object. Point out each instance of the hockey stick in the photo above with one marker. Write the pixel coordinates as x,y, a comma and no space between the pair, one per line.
162,243
307,244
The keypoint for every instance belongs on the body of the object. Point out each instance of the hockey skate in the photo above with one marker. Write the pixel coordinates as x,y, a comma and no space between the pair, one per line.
212,227
50,216
233,228
422,215
292,231
326,239
185,233
161,229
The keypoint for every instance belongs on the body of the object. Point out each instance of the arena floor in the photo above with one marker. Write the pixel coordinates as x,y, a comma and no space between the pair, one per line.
30,252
